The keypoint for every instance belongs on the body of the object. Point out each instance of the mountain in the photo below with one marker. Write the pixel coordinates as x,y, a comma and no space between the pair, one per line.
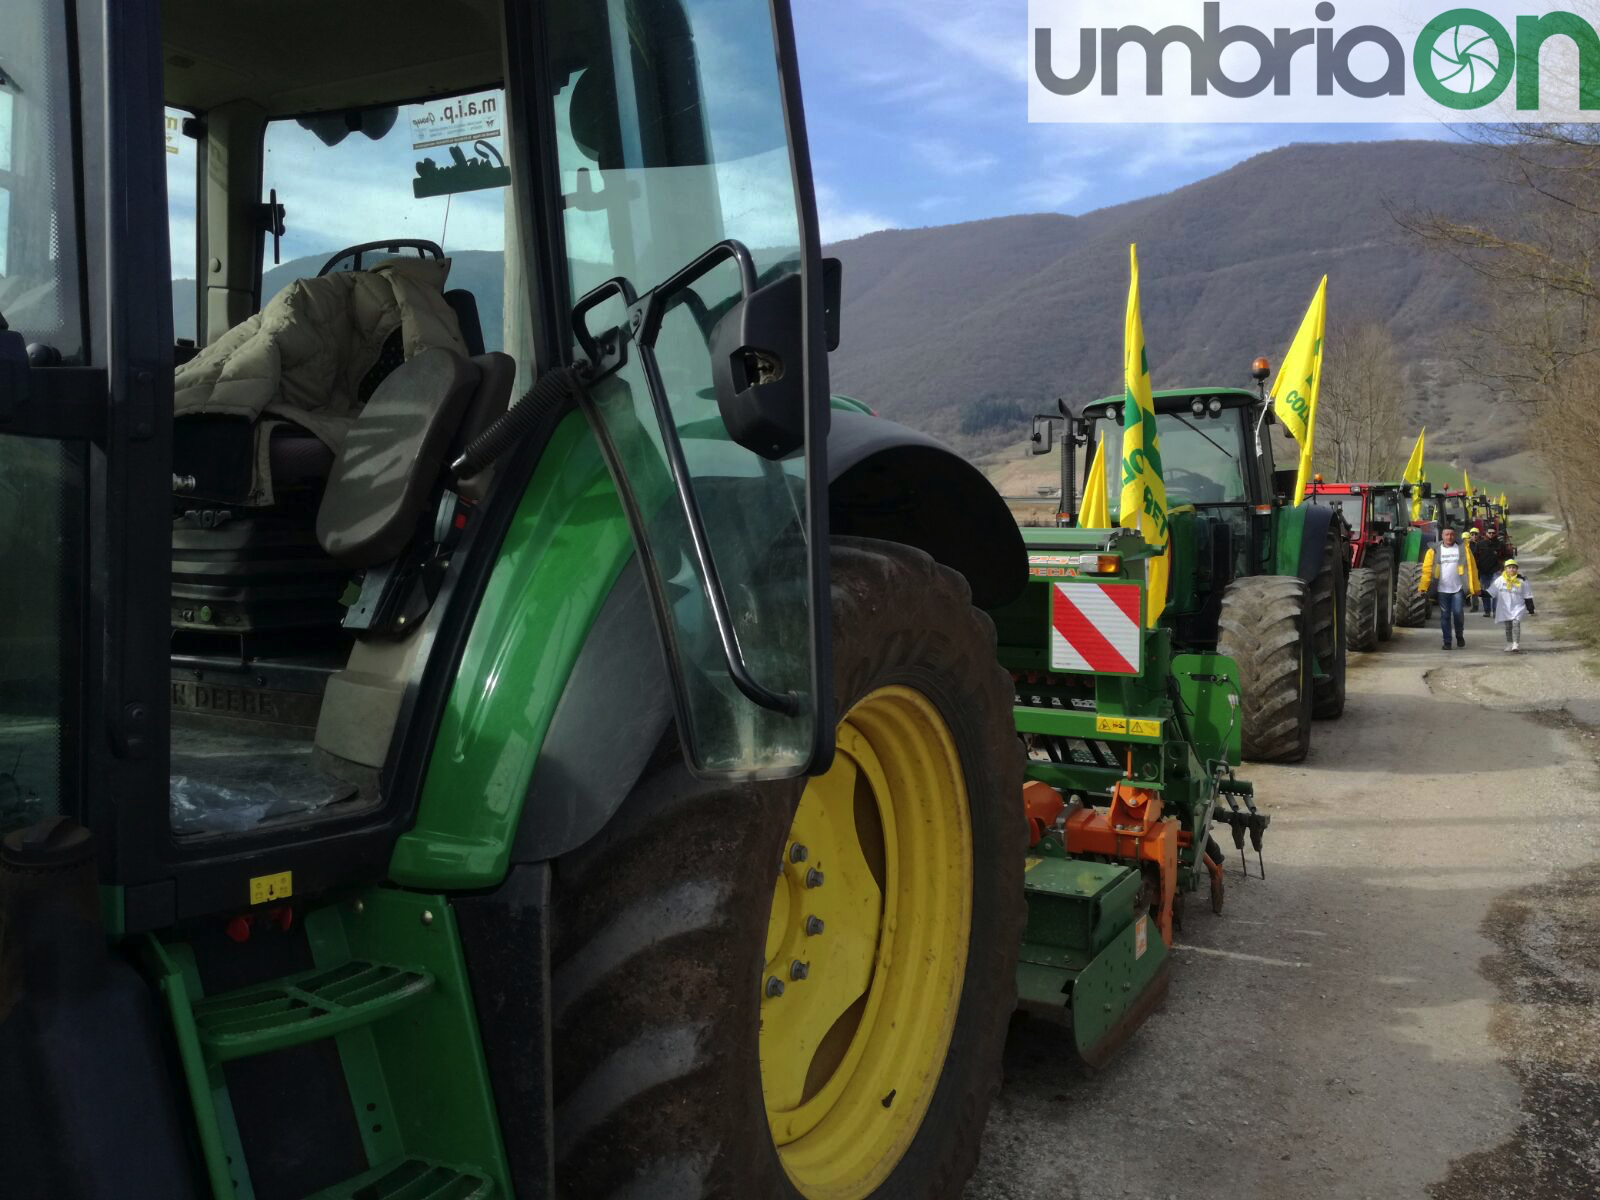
966,329
953,327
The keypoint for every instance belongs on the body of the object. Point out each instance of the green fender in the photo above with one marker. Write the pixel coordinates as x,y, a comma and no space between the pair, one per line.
561,694
1299,534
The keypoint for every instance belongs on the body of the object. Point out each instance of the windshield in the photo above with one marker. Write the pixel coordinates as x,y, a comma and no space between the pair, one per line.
1455,513
1202,457
1348,506
433,172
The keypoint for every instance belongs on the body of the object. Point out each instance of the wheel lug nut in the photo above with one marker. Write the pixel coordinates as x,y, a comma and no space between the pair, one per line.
813,878
774,986
798,853
813,926
797,970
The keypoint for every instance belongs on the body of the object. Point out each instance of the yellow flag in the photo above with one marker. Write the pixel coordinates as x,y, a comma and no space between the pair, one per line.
1413,472
1096,512
1144,489
1466,484
1294,392
1502,499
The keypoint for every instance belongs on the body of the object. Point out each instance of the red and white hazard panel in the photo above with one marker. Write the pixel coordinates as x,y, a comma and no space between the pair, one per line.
1096,627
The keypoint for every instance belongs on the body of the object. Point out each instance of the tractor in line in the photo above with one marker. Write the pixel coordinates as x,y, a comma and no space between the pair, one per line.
1254,576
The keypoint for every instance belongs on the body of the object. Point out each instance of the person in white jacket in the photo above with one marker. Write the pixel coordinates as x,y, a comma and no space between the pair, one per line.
1511,600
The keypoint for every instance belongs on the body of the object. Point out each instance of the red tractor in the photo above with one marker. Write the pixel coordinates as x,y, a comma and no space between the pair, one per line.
1377,516
1489,519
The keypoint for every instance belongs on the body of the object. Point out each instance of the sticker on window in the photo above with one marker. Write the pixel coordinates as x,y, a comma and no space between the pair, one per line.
467,136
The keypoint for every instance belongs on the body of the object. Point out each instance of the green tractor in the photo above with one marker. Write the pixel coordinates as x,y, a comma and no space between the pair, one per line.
1252,576
512,737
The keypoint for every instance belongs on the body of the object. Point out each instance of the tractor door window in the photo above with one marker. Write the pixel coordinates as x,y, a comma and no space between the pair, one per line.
671,138
41,481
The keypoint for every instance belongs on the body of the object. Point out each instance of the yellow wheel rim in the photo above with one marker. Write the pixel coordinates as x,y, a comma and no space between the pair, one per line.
866,948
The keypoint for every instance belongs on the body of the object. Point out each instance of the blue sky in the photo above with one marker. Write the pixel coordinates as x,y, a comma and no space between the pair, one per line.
918,115
917,111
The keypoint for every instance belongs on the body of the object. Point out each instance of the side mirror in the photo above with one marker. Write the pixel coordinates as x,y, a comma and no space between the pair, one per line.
1043,438
757,369
832,300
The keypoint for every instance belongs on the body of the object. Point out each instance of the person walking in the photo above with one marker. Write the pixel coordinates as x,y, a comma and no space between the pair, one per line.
1512,599
1486,558
1449,568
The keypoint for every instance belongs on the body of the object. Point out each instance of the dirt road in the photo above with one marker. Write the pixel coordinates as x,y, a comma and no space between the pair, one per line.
1409,1004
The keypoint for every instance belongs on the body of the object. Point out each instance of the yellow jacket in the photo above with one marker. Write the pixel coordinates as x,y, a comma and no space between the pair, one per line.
1430,571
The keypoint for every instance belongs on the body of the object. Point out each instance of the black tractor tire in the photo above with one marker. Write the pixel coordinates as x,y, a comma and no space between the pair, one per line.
1264,627
1382,564
1361,610
660,923
1328,600
1411,609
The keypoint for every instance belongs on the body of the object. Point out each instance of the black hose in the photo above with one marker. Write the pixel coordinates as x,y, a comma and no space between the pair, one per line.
551,390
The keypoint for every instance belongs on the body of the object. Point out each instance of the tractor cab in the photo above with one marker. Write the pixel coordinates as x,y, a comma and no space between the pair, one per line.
1443,510
1371,511
1209,462
367,264
370,378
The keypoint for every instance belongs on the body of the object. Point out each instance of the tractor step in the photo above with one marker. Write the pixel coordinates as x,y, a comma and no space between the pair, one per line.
410,1179
388,994
302,1008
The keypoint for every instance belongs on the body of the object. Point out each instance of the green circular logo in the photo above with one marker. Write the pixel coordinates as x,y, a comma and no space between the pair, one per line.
1464,58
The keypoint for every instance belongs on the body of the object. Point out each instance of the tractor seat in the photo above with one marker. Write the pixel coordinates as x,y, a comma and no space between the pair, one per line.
297,455
395,452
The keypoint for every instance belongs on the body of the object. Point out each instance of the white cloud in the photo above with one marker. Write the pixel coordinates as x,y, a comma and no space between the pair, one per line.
840,222
949,158
993,34
1052,190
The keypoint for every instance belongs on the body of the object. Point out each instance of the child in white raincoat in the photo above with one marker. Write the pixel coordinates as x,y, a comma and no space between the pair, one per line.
1512,599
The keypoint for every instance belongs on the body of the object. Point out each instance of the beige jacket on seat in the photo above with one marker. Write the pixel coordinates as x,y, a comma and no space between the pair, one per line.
304,355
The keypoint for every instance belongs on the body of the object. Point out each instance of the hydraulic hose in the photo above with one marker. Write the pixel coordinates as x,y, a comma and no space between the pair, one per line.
551,390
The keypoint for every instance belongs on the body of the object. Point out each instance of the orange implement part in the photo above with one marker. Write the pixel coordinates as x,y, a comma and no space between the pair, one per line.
1042,803
1134,831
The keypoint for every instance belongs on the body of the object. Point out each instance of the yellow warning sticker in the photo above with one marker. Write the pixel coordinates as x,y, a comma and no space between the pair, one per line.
1139,943
272,887
1144,728
1030,863
1111,724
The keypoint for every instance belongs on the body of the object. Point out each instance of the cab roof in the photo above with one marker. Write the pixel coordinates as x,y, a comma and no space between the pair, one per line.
1180,395
300,56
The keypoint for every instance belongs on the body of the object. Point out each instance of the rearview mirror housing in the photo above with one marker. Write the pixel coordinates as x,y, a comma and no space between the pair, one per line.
1043,436
758,369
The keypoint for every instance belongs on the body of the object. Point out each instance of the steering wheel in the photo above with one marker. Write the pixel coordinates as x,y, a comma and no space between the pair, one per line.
377,250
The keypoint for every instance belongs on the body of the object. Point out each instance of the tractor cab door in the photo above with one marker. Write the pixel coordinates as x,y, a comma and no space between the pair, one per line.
85,389
693,270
